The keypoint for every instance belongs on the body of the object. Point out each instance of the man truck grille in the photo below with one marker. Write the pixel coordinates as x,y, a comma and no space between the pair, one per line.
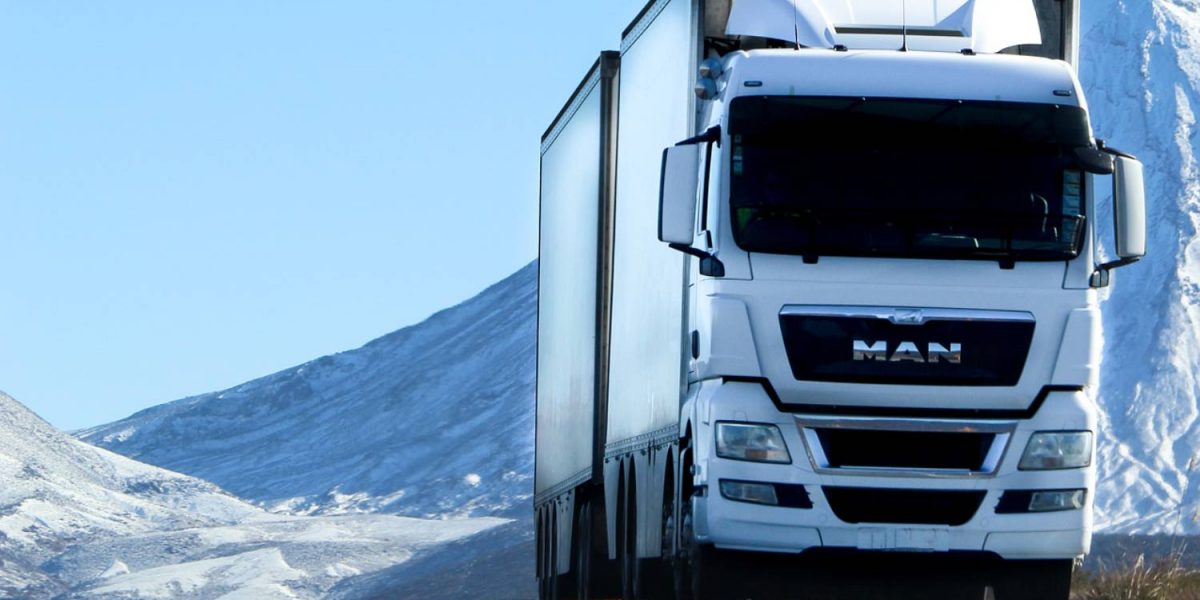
915,507
856,448
906,346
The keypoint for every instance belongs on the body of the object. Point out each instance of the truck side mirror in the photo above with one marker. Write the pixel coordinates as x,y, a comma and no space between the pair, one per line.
1129,208
1129,215
677,194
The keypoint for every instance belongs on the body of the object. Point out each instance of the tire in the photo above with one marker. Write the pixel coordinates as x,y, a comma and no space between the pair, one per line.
582,567
605,574
1034,580
552,578
542,560
672,565
706,577
657,573
698,573
631,566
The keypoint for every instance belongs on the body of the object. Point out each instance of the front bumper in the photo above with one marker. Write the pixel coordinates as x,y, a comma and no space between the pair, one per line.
743,526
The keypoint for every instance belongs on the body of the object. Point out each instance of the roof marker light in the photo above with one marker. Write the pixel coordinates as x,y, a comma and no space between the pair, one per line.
712,68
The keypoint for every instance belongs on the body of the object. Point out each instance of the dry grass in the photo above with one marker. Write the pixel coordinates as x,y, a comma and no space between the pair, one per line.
1165,579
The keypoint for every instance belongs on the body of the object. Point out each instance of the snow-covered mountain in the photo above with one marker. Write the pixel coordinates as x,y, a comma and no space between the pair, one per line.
56,491
1141,68
81,522
434,419
437,418
270,557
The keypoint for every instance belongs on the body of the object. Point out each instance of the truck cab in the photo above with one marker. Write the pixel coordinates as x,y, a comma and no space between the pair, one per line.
897,294
895,310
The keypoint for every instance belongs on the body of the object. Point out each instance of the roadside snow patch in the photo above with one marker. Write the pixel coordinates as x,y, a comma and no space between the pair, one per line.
117,568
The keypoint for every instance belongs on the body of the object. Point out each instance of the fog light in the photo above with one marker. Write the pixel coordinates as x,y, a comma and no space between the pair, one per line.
1057,500
1016,502
745,491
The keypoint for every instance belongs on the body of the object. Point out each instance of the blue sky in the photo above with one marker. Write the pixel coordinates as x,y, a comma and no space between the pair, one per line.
193,195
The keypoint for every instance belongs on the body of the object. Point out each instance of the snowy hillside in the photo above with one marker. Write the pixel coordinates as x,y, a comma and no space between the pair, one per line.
278,557
81,522
56,491
434,419
1142,73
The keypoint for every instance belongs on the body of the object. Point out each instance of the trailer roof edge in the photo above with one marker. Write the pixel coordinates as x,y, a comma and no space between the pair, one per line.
642,22
634,23
604,66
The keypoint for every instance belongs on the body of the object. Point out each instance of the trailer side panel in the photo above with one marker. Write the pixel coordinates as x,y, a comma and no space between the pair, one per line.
656,111
569,250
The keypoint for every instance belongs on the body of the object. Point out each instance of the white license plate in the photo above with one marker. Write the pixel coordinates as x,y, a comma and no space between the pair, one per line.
928,540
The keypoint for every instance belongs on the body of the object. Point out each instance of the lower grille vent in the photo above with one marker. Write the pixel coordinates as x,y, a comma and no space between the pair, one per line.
917,507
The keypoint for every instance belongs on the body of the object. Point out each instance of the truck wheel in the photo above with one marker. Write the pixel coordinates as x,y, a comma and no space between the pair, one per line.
1034,580
604,575
543,552
630,565
705,574
552,578
697,572
657,574
583,552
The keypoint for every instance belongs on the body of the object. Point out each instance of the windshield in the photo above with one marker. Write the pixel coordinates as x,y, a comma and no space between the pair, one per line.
907,178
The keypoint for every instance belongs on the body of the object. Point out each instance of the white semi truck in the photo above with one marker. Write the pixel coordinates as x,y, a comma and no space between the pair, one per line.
818,304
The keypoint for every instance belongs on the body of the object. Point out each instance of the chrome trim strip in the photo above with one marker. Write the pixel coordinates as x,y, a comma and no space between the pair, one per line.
816,452
915,425
1003,431
906,315
995,455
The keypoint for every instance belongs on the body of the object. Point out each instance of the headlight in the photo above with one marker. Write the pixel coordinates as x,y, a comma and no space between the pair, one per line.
1058,450
757,443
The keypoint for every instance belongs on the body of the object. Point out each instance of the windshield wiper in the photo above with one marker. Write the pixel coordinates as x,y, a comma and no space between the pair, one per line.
975,235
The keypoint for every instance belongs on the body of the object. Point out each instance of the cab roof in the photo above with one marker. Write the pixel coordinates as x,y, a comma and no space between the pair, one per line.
894,74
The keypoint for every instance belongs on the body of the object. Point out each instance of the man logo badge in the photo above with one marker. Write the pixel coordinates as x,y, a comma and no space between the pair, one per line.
907,352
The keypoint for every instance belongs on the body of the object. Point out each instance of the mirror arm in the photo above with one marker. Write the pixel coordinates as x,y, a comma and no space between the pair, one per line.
1103,147
712,136
1095,160
1117,264
1102,276
710,266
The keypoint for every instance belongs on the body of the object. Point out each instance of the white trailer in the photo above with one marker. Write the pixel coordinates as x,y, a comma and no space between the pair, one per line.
818,301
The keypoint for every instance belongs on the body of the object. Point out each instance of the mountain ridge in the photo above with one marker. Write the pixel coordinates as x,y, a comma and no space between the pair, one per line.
58,491
464,372
1142,75
80,522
